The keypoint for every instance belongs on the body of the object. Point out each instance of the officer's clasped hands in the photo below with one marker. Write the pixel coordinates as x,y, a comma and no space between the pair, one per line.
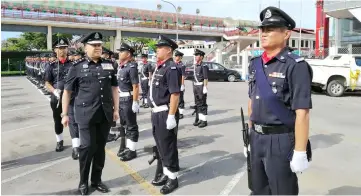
171,123
299,161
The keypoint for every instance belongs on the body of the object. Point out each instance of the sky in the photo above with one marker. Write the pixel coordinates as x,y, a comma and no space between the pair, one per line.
236,9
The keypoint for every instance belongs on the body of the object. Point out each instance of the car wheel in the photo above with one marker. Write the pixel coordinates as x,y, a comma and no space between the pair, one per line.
335,88
231,78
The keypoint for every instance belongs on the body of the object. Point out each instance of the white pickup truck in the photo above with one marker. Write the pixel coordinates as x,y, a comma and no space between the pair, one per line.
336,74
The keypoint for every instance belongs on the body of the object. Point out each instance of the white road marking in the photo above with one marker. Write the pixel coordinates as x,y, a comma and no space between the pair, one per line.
198,165
231,184
34,170
23,108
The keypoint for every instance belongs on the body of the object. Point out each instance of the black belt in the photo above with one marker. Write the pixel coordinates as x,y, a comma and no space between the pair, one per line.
272,129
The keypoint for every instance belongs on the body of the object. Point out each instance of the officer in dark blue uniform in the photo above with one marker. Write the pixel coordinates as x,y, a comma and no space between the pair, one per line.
107,54
128,82
163,98
200,82
94,83
178,60
54,81
280,99
144,77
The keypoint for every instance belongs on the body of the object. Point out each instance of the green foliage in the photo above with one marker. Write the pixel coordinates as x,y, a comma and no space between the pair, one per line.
30,41
138,43
12,73
151,45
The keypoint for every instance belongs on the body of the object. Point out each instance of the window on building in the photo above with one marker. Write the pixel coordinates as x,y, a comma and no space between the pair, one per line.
293,43
257,44
302,43
313,44
306,44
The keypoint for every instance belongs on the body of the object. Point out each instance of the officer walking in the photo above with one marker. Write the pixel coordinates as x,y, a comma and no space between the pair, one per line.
280,100
178,60
200,82
94,84
163,98
144,76
55,80
128,82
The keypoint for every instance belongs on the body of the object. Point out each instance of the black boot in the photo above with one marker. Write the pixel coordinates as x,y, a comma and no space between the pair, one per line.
181,116
83,188
59,146
159,179
202,124
128,155
169,187
121,147
75,153
196,121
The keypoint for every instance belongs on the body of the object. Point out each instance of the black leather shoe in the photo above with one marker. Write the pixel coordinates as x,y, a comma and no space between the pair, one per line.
169,187
196,123
160,180
83,189
128,155
121,151
202,124
181,116
100,187
75,153
146,106
59,146
112,137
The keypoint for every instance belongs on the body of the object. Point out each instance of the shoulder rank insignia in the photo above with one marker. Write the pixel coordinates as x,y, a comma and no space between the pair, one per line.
173,68
295,57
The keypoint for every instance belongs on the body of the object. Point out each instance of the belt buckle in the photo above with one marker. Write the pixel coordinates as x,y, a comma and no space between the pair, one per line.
258,128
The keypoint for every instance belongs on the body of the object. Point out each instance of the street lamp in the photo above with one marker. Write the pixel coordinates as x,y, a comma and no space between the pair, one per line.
178,9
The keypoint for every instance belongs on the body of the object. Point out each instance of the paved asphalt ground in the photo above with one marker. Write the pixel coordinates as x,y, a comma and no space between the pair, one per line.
210,158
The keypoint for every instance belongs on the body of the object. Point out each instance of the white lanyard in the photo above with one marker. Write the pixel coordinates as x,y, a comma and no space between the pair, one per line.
195,77
151,87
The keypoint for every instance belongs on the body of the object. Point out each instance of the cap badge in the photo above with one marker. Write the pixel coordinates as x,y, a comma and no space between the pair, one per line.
268,14
61,41
96,36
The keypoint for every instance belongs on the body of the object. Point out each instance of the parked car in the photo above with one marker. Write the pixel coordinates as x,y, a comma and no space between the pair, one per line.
216,72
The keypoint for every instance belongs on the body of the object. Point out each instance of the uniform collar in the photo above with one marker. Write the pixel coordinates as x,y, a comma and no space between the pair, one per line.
199,64
62,61
89,60
161,63
280,56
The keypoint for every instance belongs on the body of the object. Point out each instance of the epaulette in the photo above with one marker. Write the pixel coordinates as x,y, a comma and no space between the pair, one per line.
295,57
74,63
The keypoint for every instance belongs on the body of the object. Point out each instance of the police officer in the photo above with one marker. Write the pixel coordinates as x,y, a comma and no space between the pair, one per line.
280,99
55,80
200,82
78,55
94,83
178,60
144,76
163,98
107,54
128,82
71,55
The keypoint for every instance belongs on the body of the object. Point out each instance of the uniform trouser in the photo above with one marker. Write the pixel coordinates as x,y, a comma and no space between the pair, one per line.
166,140
200,100
73,126
145,89
57,110
181,100
128,118
93,137
270,164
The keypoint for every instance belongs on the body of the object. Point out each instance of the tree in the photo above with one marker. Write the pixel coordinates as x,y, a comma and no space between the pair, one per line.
137,43
31,41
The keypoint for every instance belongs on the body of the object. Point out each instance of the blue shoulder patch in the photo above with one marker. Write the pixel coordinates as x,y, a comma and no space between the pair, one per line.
295,57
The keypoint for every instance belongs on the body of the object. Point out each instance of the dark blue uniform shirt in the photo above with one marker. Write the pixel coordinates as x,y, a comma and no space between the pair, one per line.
290,78
201,72
166,81
146,69
56,73
92,82
182,67
127,76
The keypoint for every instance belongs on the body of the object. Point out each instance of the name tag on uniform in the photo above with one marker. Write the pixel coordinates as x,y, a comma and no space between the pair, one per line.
277,75
107,66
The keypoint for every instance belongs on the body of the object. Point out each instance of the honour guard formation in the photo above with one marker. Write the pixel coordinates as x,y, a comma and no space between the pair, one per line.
120,114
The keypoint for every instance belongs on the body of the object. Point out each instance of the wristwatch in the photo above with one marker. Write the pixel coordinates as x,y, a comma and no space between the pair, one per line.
62,115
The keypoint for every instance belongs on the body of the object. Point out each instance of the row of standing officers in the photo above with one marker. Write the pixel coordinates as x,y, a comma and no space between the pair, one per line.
90,94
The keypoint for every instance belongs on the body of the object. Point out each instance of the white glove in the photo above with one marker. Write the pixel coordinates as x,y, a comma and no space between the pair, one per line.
182,88
205,90
245,150
135,107
171,123
149,83
56,92
299,162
